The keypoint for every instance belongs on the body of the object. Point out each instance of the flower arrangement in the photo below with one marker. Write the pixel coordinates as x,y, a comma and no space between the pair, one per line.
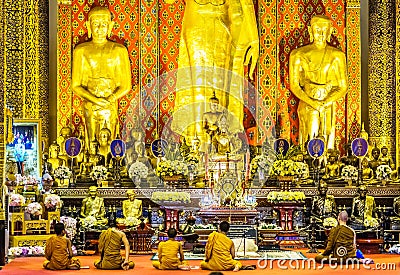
34,208
70,226
17,251
52,201
349,172
370,222
172,167
330,222
16,200
99,172
260,164
62,172
283,168
171,197
138,169
383,172
270,226
279,196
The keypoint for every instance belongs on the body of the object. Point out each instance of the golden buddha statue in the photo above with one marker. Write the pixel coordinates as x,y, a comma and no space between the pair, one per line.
101,73
85,167
93,210
211,119
94,155
367,172
219,53
65,133
131,209
332,168
323,205
374,161
318,77
386,159
54,160
104,142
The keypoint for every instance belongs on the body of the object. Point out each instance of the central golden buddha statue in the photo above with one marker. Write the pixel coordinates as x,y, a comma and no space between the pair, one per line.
101,74
132,210
218,39
318,77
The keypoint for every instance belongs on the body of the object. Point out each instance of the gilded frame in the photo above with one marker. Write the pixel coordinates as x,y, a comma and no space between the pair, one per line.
24,153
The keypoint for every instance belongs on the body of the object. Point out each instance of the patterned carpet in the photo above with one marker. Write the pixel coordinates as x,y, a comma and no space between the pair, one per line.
268,254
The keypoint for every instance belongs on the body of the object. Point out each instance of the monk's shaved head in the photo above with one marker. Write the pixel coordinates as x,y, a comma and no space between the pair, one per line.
343,216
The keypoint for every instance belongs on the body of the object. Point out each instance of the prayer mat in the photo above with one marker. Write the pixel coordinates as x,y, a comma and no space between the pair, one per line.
265,254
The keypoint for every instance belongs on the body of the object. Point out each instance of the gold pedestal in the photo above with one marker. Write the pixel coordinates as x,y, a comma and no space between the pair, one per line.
29,240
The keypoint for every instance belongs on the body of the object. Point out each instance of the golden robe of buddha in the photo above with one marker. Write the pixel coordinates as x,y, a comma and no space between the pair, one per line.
218,38
101,74
318,77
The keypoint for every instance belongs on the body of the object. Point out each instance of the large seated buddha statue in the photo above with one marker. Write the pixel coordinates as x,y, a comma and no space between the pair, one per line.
363,213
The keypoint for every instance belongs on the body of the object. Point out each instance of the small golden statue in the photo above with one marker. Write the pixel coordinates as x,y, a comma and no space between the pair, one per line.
94,156
332,169
54,160
132,210
93,210
318,77
375,161
101,74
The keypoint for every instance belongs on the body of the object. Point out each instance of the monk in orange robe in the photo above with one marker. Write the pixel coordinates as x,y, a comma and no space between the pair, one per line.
168,253
58,251
220,251
341,242
110,250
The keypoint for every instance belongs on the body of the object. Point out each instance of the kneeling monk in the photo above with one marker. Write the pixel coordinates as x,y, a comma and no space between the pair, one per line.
58,251
220,251
110,250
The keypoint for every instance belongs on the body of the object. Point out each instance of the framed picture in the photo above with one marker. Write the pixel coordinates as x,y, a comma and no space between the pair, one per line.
23,152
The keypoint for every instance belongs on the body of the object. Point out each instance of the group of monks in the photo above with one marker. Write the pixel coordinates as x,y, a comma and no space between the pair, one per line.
220,251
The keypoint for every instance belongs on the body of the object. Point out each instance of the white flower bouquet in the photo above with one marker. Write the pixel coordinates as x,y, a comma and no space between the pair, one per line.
34,208
16,200
22,251
172,167
282,196
99,172
260,164
283,168
62,172
138,169
89,221
52,201
383,172
330,222
70,226
349,172
171,197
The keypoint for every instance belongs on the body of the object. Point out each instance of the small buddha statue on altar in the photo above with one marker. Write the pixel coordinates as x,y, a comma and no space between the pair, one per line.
375,161
131,209
211,119
85,167
323,205
93,211
332,169
367,172
65,133
349,158
54,161
385,158
94,156
104,142
363,214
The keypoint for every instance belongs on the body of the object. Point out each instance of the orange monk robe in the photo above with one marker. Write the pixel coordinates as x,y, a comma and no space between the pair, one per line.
218,253
58,255
168,255
110,250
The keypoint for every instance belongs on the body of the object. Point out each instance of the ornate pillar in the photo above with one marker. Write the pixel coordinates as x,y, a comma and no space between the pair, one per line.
397,82
382,74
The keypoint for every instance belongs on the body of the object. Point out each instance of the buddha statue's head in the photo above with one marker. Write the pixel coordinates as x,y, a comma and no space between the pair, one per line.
214,103
362,191
66,132
54,150
99,23
375,153
323,188
320,29
104,137
131,194
92,191
384,150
